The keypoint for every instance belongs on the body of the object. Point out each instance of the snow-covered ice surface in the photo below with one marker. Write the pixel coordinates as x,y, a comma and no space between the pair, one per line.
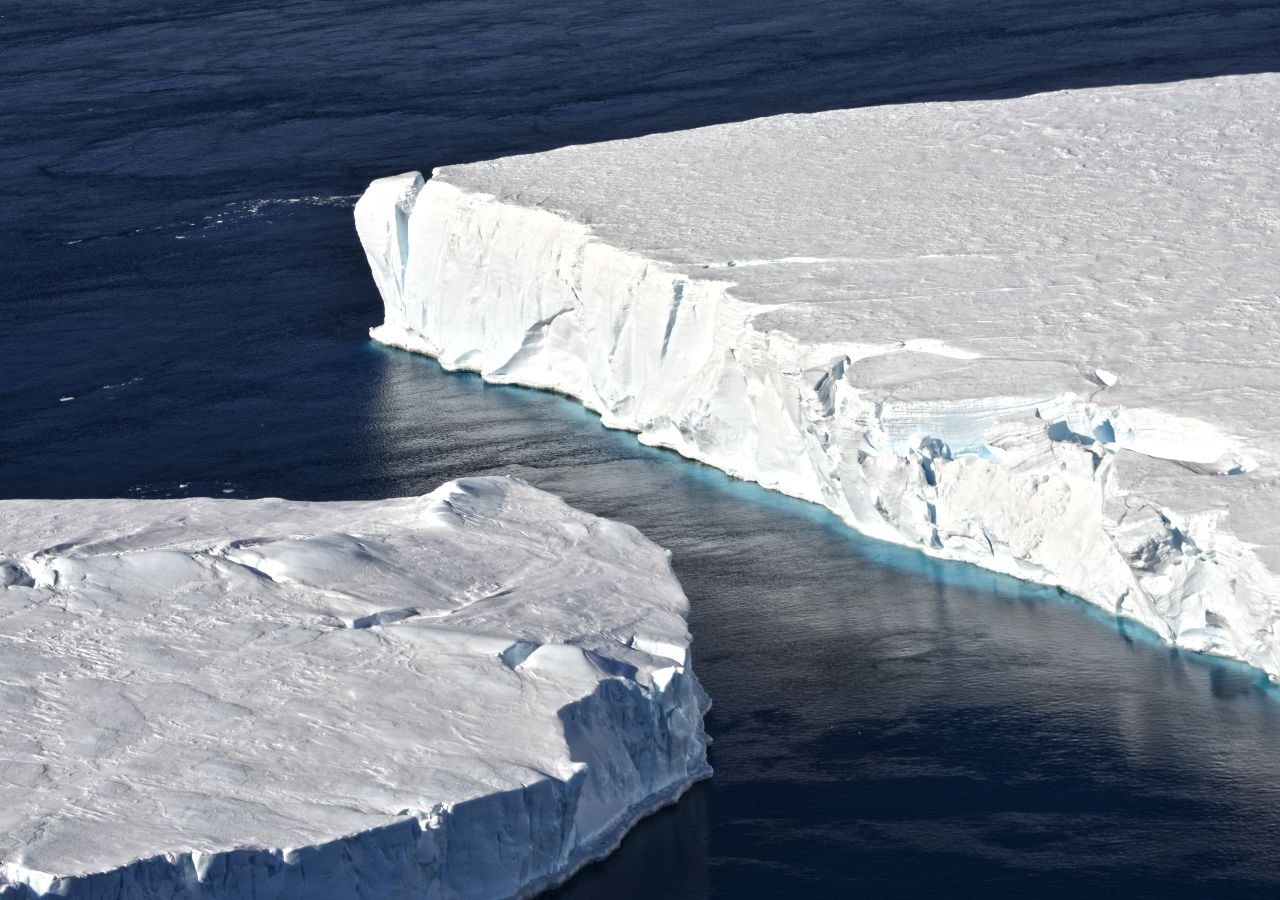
465,694
1040,335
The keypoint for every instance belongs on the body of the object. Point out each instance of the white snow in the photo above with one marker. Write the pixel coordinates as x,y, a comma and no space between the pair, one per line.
1040,335
466,694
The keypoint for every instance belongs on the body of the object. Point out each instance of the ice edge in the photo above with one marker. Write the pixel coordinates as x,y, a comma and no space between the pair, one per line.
636,743
679,362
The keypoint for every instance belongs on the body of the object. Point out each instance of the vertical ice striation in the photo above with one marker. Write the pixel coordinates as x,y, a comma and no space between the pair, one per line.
1038,335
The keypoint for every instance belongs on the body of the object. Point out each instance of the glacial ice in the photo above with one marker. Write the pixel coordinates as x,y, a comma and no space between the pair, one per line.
1041,335
465,694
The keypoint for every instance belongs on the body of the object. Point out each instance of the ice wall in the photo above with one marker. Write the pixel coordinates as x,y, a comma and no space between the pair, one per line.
914,316
467,694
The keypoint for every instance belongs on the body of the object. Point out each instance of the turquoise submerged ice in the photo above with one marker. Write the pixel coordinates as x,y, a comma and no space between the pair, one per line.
1040,335
466,694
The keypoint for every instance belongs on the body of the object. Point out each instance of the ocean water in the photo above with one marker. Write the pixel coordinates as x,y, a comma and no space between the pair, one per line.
185,310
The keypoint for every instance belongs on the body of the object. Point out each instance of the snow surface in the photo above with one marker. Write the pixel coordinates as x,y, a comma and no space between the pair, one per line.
466,694
1040,335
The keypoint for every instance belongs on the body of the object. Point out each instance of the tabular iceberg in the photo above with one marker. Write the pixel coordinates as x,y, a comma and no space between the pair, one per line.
466,694
1039,335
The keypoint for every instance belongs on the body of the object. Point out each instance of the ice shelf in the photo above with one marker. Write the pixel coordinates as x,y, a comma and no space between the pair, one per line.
1040,335
466,694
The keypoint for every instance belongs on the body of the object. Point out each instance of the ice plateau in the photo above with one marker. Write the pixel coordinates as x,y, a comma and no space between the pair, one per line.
1041,335
465,694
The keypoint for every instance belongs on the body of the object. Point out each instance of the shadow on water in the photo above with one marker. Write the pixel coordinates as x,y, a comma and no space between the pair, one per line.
185,308
886,724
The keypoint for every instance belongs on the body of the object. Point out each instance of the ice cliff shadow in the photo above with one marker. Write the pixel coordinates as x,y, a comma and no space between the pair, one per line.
498,844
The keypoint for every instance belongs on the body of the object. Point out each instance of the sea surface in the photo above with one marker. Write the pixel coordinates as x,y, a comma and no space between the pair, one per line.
184,308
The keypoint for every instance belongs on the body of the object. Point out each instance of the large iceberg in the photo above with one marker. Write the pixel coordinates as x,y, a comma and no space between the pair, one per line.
466,694
1040,335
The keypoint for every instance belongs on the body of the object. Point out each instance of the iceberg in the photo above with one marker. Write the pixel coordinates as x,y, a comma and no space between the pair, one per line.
1039,335
466,694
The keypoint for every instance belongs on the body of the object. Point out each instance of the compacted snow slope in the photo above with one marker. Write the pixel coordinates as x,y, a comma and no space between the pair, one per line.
1039,335
466,694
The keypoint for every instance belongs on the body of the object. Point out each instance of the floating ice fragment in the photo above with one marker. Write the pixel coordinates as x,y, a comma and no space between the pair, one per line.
444,749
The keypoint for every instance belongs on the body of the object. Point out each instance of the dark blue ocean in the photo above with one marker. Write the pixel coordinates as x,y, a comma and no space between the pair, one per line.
183,311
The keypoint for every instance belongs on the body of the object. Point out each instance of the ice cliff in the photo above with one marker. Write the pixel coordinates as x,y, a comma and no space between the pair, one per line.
1039,335
466,694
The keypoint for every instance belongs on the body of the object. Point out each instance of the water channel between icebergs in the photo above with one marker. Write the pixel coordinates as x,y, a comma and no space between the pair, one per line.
891,723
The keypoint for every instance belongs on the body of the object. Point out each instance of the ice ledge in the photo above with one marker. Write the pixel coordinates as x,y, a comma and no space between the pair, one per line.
871,381
467,694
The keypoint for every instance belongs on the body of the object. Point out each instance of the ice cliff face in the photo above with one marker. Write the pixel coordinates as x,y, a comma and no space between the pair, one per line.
1037,335
467,694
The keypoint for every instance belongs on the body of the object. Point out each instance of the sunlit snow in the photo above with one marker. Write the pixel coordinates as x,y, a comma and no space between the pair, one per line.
465,694
1041,335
